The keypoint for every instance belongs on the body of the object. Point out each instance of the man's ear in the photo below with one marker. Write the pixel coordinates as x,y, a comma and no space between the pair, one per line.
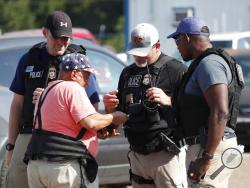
73,75
45,32
158,45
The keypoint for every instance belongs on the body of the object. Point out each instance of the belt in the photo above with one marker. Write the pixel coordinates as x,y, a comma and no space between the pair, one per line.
197,139
146,150
154,145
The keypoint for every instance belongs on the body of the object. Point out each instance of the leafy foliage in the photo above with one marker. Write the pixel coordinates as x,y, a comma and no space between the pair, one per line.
90,14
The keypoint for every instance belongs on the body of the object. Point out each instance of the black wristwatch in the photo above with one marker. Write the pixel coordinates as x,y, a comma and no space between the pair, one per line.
207,156
9,146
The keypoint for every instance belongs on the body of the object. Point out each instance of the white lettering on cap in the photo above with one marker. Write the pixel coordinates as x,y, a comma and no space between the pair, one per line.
64,24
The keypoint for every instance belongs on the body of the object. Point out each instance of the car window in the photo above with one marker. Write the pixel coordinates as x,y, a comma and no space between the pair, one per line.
222,43
244,43
9,59
245,65
108,70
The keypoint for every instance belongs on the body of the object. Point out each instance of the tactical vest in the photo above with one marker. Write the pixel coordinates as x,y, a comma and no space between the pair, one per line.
193,111
38,73
52,146
147,119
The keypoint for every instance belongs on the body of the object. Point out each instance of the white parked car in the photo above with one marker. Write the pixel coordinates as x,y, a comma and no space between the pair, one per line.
237,40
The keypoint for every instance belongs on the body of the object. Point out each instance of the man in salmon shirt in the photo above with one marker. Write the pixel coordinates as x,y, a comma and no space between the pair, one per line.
64,142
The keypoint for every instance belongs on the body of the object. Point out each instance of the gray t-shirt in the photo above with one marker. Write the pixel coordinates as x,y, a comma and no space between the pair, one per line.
212,70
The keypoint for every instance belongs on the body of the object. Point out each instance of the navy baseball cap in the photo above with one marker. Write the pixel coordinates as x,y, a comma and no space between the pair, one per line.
59,24
75,61
191,25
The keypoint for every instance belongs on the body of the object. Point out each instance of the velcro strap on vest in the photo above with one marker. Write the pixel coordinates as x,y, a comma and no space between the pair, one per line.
49,144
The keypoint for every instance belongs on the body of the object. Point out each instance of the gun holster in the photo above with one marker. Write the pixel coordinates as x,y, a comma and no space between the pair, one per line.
91,167
169,145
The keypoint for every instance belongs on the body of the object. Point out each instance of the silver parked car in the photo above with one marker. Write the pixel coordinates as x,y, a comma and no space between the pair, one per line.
112,160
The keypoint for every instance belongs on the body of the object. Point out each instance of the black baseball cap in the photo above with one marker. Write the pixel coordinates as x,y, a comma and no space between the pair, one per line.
59,24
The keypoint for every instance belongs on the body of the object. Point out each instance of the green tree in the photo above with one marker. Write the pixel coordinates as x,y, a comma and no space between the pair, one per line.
15,15
45,7
90,14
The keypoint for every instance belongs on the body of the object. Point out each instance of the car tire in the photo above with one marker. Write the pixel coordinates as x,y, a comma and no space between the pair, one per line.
3,172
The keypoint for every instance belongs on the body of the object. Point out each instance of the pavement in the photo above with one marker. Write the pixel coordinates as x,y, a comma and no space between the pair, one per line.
241,176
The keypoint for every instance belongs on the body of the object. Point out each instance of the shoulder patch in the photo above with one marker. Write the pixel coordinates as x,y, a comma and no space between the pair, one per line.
29,68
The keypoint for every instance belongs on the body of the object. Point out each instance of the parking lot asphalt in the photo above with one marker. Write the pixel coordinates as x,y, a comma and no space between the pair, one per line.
241,175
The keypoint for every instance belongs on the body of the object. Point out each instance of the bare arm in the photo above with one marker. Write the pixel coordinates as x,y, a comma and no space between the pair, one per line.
217,99
14,120
14,117
98,121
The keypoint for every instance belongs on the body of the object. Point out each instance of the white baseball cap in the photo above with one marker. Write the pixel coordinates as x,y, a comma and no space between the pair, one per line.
143,37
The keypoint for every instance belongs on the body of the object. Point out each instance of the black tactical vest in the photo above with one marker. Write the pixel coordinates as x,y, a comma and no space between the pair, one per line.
193,111
38,73
147,119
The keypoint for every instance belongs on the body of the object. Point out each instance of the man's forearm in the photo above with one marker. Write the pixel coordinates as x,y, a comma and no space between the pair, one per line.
14,120
217,100
98,121
14,117
216,126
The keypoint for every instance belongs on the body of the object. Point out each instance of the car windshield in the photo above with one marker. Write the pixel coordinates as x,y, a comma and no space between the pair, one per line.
107,67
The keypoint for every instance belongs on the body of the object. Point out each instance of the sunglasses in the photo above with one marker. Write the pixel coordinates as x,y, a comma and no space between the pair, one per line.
179,39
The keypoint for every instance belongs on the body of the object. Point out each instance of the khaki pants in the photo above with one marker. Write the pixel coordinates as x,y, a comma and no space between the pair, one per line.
167,170
221,181
44,174
17,170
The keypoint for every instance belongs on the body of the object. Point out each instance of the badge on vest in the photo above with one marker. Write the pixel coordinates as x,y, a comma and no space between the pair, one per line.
52,73
146,79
